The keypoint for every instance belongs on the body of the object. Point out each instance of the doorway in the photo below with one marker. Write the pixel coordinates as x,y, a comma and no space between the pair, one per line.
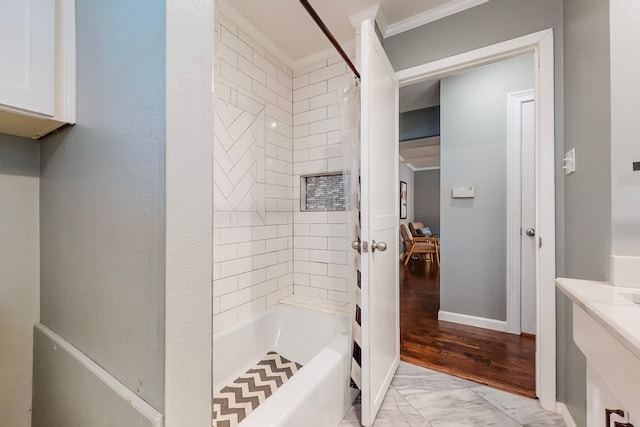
540,44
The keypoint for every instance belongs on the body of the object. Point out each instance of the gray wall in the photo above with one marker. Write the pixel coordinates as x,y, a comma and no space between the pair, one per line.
422,123
68,394
19,278
587,202
427,198
102,200
474,153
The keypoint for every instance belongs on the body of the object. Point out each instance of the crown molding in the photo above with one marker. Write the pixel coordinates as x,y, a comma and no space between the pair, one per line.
246,26
430,16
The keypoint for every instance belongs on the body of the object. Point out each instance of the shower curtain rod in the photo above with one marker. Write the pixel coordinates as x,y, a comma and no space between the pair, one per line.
334,42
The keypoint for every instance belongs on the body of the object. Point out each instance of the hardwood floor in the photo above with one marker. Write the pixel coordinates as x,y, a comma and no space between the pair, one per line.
497,359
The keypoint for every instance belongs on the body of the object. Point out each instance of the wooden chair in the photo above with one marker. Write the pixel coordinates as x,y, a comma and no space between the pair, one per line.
413,226
418,245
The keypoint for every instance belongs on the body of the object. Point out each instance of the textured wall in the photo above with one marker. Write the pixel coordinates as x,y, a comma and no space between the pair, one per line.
19,276
102,199
253,200
474,152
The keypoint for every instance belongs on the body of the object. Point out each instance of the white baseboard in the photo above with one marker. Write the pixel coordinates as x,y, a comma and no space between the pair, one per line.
478,322
625,271
562,409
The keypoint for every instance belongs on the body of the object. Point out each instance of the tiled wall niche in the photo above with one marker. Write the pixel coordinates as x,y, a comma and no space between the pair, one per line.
322,192
272,125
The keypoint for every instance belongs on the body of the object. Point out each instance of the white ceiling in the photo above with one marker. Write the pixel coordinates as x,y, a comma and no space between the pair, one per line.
421,154
288,26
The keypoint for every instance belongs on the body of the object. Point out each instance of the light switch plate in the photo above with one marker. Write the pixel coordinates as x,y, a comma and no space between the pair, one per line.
569,162
463,192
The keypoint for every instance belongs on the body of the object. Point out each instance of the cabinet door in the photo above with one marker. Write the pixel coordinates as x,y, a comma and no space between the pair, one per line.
27,56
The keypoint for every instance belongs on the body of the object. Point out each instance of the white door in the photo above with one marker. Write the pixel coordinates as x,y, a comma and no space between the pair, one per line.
521,227
379,223
528,240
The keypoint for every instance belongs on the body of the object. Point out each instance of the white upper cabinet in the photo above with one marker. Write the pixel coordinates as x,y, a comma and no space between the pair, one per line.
37,66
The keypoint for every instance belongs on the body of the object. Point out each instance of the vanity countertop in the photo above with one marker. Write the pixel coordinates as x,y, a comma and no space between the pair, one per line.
609,305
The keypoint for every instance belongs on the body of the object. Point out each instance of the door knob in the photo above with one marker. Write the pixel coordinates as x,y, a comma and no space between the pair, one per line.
381,246
531,232
356,244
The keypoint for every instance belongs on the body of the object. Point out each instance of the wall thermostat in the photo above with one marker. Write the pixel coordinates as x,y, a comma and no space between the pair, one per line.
463,192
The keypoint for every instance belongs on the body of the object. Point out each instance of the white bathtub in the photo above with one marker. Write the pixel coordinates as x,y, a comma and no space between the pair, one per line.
318,394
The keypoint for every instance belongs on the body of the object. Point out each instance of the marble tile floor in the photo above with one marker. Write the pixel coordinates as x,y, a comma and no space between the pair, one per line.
420,397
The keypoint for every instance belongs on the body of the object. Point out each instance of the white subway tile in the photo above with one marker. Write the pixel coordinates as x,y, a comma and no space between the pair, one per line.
274,245
332,283
216,271
335,164
310,167
285,281
339,270
251,42
235,299
216,237
339,217
266,232
308,267
265,64
225,252
326,152
232,74
310,218
274,298
309,291
311,67
225,319
277,270
334,257
235,235
333,110
227,54
251,278
276,218
278,113
324,126
221,219
344,297
286,79
340,82
302,229
285,104
300,155
279,140
301,279
337,243
251,70
310,116
300,131
251,308
225,286
286,155
328,230
255,247
301,254
278,87
264,288
300,81
310,141
247,219
301,106
324,100
234,267
247,101
326,73
226,23
216,306
278,63
306,242
310,91
334,137
285,230
265,260
285,255
263,92
272,204
277,191
236,44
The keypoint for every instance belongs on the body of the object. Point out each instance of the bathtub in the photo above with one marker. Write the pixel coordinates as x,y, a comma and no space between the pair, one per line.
318,395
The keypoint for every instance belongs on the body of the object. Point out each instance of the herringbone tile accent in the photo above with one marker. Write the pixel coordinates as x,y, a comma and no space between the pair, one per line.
239,156
236,401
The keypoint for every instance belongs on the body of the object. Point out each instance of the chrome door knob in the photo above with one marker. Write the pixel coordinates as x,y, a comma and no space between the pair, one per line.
381,246
356,244
531,232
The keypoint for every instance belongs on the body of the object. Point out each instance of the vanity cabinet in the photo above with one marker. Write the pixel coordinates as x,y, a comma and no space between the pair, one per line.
37,66
606,328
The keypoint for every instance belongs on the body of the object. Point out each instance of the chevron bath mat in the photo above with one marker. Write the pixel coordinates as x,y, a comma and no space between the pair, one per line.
236,401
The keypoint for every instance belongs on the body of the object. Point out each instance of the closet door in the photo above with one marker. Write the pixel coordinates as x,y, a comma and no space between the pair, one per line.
379,223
